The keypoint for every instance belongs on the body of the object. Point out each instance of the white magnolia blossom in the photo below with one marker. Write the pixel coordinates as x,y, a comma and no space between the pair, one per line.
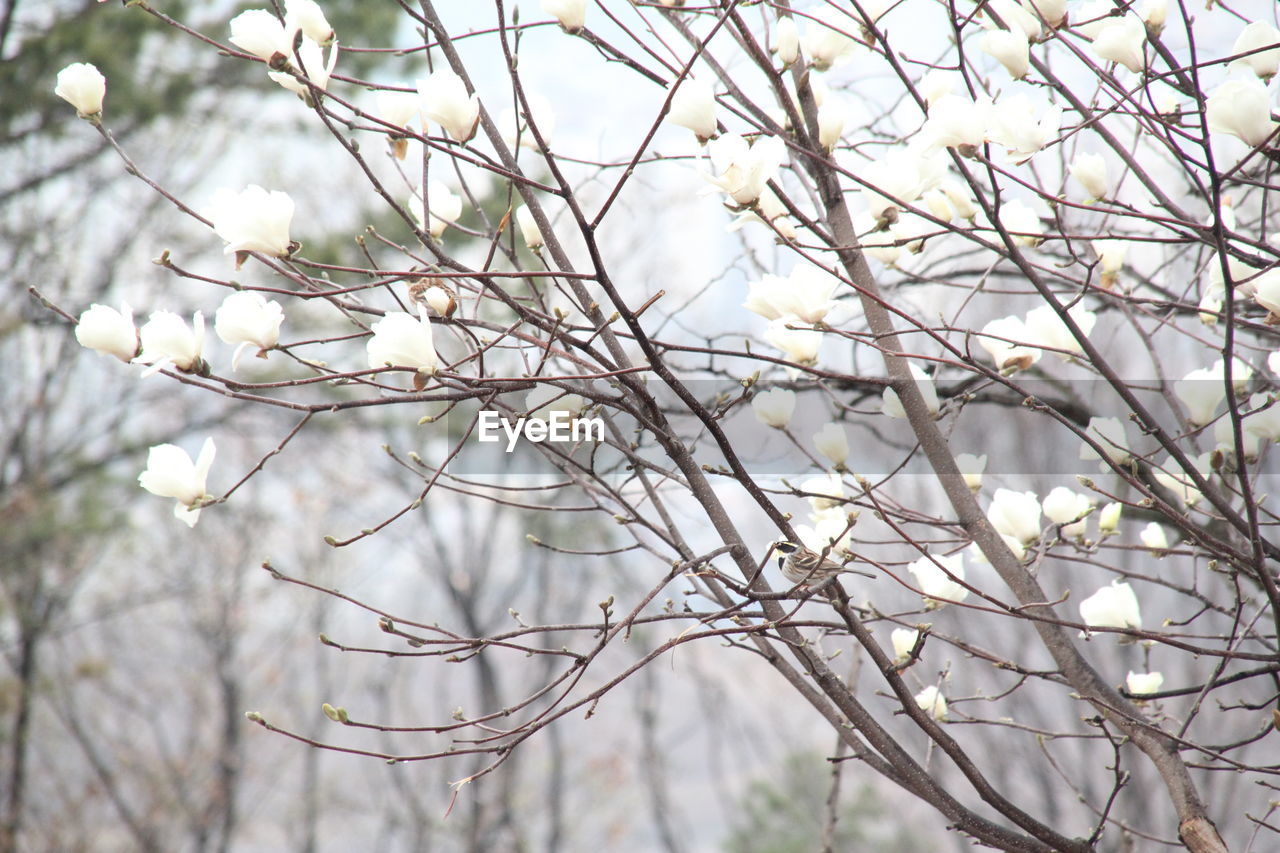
168,340
314,67
1178,481
1201,391
306,15
1048,330
799,345
693,106
937,586
1143,683
805,294
1266,291
972,468
1089,18
1015,514
1067,508
1153,537
1224,435
957,122
1109,519
899,179
832,117
774,407
935,85
890,404
82,86
1010,49
261,33
787,41
1022,223
830,530
904,642
1054,12
252,220
246,319
446,102
1112,436
1111,255
1258,34
572,14
768,210
171,474
515,128
1114,606
1263,419
443,208
931,701
827,40
825,492
108,331
1090,171
1241,108
403,340
1013,124
832,441
399,108
1154,14
529,228
1002,339
743,169
1121,41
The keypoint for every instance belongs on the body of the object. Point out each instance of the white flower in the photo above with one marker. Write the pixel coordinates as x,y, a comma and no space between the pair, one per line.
83,86
1241,108
744,170
1015,514
1109,519
1014,16
1263,419
252,220
957,122
1113,606
1201,391
1022,223
1153,536
1001,339
1121,41
805,294
1067,508
830,530
446,102
971,468
774,407
399,108
1013,125
904,642
513,127
799,345
1154,14
444,206
694,106
572,14
832,116
900,178
962,201
259,32
1267,291
1011,49
171,474
1111,255
767,210
891,406
306,15
1225,437
935,584
246,319
314,68
826,39
930,700
934,86
788,41
833,442
1257,35
826,492
1090,171
1111,436
1180,483
1143,683
1053,11
108,331
1047,329
529,228
167,340
402,340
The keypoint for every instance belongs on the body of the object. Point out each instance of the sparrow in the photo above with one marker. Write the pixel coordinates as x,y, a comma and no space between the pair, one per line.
800,565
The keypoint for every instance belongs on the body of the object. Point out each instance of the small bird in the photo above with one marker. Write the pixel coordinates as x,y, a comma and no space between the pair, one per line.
800,565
